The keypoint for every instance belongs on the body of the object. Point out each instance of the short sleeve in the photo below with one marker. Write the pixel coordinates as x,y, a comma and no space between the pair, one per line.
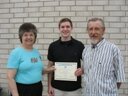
50,53
13,60
119,66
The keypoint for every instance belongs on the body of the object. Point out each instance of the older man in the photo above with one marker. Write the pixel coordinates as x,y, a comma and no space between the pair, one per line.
103,63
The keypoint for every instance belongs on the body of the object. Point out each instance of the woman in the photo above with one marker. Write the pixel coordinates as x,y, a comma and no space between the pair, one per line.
25,65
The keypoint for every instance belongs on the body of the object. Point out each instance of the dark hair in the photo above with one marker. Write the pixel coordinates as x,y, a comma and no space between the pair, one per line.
96,19
65,20
27,27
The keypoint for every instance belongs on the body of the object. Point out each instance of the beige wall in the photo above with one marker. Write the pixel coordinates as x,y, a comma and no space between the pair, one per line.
45,14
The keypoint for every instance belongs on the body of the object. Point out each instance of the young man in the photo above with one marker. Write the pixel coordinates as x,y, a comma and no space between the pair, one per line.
103,63
65,49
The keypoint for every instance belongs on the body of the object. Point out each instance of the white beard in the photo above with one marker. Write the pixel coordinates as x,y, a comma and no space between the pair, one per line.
94,41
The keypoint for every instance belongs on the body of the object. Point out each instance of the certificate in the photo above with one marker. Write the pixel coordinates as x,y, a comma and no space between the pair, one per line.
65,71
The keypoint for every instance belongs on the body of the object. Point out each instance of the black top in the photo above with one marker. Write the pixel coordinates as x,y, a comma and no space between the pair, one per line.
66,51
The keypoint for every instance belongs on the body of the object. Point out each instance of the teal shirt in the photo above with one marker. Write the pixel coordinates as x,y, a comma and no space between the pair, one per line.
28,64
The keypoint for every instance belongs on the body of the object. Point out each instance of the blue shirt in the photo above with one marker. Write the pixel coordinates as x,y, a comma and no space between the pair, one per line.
28,64
103,68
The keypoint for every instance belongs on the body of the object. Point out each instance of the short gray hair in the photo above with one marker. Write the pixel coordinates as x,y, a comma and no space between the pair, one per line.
96,19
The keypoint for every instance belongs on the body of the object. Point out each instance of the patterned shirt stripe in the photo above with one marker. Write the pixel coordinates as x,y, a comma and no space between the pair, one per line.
103,69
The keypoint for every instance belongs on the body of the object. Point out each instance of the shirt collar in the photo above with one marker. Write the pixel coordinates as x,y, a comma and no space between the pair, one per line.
66,42
99,44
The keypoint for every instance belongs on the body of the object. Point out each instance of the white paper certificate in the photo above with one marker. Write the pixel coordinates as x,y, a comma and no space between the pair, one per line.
65,71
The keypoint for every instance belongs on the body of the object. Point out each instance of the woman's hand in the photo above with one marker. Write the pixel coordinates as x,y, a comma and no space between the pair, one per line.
49,69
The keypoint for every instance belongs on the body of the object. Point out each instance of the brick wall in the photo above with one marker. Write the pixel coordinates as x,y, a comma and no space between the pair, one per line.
45,14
